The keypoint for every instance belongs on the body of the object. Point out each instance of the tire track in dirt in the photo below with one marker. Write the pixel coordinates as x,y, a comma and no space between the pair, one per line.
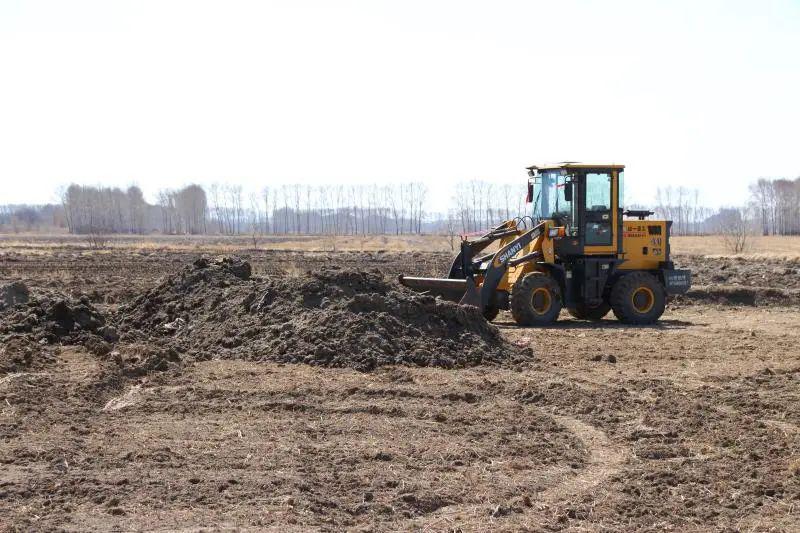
8,378
786,427
129,398
605,459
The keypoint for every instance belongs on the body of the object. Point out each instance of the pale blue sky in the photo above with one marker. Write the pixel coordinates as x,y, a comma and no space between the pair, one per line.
702,94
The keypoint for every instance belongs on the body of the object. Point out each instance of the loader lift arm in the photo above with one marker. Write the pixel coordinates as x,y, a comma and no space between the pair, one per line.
460,286
497,267
463,261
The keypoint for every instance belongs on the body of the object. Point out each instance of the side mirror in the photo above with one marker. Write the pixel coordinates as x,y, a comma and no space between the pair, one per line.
529,197
568,191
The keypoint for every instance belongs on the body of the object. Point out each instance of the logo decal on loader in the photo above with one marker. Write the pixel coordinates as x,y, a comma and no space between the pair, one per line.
508,254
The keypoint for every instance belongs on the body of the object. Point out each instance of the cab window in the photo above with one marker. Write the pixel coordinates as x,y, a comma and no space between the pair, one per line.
598,192
597,203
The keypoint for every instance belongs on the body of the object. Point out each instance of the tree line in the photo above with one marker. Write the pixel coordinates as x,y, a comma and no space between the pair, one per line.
478,205
226,210
94,210
685,209
326,209
773,208
775,204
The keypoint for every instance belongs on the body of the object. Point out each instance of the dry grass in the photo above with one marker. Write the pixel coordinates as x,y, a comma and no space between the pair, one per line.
794,468
229,244
711,245
772,247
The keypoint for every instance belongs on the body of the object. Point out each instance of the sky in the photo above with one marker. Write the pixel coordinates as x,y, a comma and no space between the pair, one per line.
701,94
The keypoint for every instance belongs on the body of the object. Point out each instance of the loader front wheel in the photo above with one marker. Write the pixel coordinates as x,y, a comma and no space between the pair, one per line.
535,300
638,298
585,312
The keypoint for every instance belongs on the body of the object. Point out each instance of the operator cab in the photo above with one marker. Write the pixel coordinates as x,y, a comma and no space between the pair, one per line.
584,199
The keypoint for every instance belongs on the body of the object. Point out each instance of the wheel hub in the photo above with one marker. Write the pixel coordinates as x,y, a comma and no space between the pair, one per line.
643,299
541,301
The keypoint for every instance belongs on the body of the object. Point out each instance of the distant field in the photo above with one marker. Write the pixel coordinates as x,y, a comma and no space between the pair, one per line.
758,246
770,247
223,244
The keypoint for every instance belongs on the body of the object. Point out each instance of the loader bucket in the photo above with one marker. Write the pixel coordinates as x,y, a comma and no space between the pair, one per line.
460,285
456,290
449,289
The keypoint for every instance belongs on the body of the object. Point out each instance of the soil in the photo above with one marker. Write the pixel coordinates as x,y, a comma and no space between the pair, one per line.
13,293
125,403
331,317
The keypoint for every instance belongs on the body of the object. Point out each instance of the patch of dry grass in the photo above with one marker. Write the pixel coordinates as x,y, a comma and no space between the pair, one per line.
771,247
759,247
231,244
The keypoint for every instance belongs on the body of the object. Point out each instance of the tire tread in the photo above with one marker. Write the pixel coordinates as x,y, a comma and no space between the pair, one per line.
521,309
620,298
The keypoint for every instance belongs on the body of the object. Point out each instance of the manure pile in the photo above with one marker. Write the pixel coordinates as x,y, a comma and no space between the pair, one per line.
332,317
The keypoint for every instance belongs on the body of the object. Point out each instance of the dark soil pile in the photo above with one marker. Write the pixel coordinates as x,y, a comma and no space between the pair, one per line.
19,354
741,295
333,317
742,271
52,318
31,323
741,281
13,293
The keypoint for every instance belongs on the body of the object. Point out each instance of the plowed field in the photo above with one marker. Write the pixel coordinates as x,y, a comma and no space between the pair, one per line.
141,390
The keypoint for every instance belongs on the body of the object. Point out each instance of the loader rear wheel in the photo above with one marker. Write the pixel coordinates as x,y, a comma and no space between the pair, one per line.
638,298
535,300
585,312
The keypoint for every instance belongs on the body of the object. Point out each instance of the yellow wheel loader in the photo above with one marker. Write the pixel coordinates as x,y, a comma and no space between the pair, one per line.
577,249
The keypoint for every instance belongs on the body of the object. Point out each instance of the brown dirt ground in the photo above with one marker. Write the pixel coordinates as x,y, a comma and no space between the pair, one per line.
693,424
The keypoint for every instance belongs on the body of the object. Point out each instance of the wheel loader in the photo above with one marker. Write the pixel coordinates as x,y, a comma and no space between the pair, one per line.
577,249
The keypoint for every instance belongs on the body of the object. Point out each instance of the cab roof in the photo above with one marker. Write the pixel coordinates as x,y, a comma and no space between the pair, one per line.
567,165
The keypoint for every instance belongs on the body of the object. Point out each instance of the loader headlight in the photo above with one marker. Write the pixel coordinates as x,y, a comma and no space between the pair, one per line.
552,233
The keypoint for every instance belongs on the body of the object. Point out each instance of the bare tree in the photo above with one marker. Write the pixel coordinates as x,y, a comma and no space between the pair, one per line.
265,192
451,225
734,228
27,216
191,207
137,208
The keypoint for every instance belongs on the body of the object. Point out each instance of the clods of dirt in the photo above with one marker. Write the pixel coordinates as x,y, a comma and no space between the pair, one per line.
19,354
331,317
232,265
13,293
52,318
742,295
138,360
742,271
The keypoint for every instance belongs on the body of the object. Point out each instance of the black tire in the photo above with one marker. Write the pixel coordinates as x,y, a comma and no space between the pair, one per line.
535,300
638,298
584,312
490,313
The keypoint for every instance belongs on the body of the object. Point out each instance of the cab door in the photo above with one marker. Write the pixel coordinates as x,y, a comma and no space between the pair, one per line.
598,221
